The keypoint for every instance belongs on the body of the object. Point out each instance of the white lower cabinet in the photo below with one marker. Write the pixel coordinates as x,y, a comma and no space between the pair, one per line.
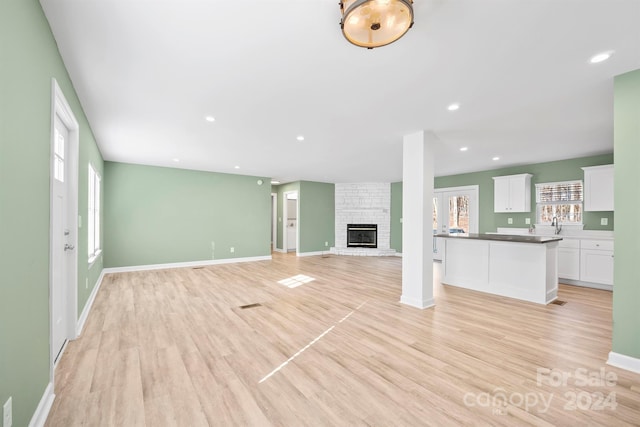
569,263
596,261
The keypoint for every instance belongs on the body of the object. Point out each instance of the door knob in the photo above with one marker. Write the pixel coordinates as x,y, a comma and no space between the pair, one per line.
68,247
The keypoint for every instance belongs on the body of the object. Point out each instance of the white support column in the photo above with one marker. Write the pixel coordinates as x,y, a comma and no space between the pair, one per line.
417,208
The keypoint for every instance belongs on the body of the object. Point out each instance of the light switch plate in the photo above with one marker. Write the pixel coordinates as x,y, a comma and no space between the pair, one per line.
509,220
527,220
604,221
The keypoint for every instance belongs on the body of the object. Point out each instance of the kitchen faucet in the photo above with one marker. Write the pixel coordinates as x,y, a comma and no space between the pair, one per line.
555,222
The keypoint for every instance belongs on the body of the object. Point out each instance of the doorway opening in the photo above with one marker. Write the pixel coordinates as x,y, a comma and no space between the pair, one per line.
274,221
290,211
63,256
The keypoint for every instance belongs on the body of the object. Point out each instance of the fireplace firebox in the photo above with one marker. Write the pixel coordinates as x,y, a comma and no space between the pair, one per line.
362,235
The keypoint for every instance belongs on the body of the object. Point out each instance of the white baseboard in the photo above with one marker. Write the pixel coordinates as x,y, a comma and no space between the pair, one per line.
282,251
87,307
625,362
185,264
421,304
313,253
42,411
585,284
399,254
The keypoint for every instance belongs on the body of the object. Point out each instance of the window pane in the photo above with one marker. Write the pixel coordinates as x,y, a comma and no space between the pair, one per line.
58,146
58,168
564,212
458,214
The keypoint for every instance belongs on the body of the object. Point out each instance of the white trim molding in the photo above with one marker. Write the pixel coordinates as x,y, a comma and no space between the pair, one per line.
42,411
624,362
87,307
282,251
421,304
312,253
185,264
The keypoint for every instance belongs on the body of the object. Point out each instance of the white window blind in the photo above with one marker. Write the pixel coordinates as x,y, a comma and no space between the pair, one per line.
562,200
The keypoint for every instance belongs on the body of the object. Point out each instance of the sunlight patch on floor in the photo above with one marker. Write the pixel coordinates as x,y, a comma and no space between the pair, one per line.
295,281
316,339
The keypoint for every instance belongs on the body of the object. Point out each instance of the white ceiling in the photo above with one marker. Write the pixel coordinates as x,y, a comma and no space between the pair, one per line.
148,72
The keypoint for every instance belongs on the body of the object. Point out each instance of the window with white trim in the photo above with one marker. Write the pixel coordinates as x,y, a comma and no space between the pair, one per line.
559,199
93,221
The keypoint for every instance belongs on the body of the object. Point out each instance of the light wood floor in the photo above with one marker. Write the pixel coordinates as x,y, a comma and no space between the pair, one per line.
173,348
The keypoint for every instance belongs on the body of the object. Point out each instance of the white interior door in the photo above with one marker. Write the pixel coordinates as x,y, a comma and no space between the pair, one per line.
60,237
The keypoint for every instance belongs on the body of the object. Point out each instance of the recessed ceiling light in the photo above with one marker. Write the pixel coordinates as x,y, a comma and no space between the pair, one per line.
300,138
175,159
453,107
274,182
210,119
496,158
464,148
601,57
236,167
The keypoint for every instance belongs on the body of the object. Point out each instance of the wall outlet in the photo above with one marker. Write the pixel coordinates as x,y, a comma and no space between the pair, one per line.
326,243
604,221
527,221
232,249
86,283
509,220
7,413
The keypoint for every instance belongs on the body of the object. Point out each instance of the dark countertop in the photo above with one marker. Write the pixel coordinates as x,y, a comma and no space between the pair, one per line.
502,237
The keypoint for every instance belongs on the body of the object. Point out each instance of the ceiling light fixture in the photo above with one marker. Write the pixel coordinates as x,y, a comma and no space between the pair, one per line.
300,138
375,23
175,159
210,119
236,167
496,158
274,182
464,148
453,107
601,57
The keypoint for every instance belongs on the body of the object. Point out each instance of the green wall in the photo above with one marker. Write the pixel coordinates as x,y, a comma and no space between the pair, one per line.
626,291
396,216
317,216
316,223
157,215
29,59
563,170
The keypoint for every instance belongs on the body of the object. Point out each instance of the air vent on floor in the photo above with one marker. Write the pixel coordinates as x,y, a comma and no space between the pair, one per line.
197,268
251,305
558,302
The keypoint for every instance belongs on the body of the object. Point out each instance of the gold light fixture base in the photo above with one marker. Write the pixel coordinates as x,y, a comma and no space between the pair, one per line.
375,23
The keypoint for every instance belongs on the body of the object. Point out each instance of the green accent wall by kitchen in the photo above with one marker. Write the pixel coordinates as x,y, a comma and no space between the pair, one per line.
562,170
316,220
626,291
158,215
29,60
396,216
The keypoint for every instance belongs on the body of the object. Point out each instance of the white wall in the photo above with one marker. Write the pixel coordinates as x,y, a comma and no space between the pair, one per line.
363,203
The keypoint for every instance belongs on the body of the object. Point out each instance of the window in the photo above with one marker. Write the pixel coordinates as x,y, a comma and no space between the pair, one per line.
559,199
93,222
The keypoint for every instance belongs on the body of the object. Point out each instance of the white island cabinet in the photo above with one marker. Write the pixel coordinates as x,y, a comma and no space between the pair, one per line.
522,267
512,193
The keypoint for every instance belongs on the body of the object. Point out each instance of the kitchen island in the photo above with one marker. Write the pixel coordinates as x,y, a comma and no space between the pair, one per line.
522,267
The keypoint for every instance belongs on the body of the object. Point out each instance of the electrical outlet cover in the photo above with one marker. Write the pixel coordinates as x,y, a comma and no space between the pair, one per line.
527,220
604,221
510,221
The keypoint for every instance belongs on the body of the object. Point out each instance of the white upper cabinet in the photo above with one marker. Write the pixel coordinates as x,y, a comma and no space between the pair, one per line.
512,193
598,188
